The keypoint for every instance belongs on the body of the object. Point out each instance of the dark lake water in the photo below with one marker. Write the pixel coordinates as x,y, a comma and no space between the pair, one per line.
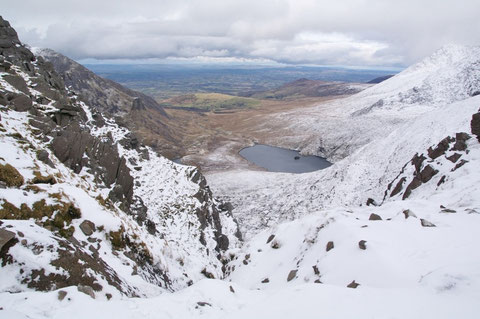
277,159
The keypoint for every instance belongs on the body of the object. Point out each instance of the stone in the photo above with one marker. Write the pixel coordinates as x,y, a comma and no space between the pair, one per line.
475,125
330,245
374,217
353,285
441,148
17,82
371,202
61,295
266,281
461,141
459,164
6,237
109,296
409,213
21,103
415,183
426,223
86,290
398,188
454,158
270,238
442,180
87,227
362,244
448,211
316,271
203,304
292,274
427,173
231,289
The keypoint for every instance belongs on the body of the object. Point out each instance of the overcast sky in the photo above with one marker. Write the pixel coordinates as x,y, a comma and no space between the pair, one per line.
331,32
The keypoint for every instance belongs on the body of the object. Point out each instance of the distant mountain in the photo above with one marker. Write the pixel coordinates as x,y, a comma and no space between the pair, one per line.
380,79
309,88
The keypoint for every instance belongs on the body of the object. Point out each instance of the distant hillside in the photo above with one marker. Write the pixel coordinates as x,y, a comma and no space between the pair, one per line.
309,88
380,79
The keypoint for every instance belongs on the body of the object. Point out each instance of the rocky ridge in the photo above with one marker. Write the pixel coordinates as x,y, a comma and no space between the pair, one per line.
88,204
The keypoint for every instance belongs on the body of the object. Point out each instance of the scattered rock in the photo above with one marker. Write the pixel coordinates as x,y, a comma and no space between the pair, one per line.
374,217
398,188
426,223
459,164
61,295
441,148
442,180
427,173
292,274
275,244
21,103
371,202
353,285
270,238
266,280
87,227
330,245
362,244
109,296
460,141
454,158
203,304
475,125
5,237
86,290
317,281
316,270
232,290
409,213
448,211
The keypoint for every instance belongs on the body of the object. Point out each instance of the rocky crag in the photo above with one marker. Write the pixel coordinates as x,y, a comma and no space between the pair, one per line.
83,202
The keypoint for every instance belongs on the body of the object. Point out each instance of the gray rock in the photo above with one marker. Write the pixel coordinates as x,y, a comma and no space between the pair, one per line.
353,285
292,274
270,238
61,295
409,213
21,103
374,217
426,223
6,236
17,82
330,245
362,244
475,125
266,281
87,227
86,290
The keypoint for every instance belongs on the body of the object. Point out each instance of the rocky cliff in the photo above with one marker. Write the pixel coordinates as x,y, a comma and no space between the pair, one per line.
84,203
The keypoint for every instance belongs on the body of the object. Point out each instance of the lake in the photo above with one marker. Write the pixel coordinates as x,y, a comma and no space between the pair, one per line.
277,159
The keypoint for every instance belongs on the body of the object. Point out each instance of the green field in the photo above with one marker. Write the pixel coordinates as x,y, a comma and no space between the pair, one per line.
210,102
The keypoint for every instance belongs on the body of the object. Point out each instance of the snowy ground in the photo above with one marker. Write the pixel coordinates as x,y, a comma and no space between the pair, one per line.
423,266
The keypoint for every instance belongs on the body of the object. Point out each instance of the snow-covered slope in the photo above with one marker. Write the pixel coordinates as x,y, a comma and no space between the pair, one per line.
83,203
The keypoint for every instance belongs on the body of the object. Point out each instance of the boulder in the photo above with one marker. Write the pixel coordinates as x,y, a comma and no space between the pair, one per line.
17,82
374,217
86,290
362,244
292,274
61,295
461,141
475,125
426,223
6,236
409,213
270,238
21,103
427,173
330,245
353,285
87,227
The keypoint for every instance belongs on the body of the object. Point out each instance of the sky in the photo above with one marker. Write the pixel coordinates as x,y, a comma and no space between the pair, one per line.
369,33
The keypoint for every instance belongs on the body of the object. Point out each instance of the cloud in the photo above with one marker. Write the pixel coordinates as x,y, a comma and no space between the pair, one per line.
347,32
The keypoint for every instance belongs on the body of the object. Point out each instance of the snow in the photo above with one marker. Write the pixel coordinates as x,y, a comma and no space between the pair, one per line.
406,271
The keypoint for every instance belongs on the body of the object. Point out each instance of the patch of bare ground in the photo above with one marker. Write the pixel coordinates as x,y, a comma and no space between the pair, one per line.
212,140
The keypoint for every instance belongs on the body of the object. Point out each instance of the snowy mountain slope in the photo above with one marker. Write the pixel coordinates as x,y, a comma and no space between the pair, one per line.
339,128
263,199
83,203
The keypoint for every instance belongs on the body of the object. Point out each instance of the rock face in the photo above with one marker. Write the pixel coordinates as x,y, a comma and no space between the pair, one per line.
475,125
130,210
